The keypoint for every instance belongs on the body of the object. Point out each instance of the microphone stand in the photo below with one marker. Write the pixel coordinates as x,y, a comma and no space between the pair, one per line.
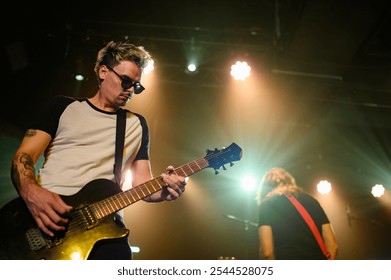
246,226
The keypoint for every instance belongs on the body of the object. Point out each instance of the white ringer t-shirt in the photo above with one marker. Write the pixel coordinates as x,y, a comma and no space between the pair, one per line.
83,144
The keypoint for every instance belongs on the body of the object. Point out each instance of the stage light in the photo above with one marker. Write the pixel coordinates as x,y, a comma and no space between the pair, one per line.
378,190
324,187
79,74
193,53
249,183
79,77
191,67
240,70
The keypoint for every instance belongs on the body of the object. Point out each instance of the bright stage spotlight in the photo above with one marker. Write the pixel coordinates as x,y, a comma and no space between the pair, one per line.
79,77
191,67
240,70
324,187
378,190
248,183
80,73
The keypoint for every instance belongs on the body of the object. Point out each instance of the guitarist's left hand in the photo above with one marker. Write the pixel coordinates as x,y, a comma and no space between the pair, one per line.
175,185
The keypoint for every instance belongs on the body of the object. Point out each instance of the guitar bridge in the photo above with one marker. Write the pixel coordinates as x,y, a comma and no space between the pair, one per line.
37,240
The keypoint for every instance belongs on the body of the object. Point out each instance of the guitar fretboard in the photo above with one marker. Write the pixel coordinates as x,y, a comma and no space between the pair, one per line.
121,200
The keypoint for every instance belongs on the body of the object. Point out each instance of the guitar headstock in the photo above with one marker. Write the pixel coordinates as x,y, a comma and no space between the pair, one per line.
217,158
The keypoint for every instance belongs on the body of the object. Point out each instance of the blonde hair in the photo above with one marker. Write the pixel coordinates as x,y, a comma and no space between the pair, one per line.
277,177
115,52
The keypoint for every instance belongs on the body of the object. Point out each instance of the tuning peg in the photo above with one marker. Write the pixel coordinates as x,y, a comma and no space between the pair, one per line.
231,164
216,172
224,168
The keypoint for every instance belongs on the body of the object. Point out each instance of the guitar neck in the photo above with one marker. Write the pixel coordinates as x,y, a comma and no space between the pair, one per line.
121,200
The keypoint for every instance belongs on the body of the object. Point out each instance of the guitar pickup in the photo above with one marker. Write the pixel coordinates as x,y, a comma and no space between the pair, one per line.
88,217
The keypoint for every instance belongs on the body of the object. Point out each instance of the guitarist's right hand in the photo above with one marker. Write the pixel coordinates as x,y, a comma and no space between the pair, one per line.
47,208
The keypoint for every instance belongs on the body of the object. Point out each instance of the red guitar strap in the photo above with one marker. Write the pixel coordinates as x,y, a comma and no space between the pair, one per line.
307,217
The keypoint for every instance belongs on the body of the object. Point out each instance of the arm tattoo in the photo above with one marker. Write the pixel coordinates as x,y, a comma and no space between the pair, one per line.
27,170
31,132
28,165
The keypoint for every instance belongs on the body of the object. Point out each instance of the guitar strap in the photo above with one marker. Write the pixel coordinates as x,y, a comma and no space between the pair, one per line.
119,144
307,217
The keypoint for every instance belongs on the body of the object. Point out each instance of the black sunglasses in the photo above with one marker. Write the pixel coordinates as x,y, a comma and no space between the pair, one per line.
127,82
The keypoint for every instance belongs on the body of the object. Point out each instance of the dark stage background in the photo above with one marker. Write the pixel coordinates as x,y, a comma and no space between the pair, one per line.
317,103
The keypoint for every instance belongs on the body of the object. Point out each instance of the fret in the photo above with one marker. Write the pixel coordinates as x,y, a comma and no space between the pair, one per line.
111,203
189,165
140,189
130,196
123,196
97,211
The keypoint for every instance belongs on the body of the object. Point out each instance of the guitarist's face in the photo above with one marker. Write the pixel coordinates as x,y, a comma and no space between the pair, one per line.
119,83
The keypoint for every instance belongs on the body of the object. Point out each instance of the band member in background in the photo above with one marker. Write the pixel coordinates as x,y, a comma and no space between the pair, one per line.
283,233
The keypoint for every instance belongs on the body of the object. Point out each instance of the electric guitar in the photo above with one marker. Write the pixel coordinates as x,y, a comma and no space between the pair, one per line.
92,217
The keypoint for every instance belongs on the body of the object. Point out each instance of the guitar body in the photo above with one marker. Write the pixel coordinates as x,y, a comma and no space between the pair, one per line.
20,238
92,219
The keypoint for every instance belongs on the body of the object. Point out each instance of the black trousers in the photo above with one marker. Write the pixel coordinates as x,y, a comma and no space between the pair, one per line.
114,249
117,249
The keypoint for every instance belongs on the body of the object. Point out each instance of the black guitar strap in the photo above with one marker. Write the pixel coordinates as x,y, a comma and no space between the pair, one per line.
119,144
